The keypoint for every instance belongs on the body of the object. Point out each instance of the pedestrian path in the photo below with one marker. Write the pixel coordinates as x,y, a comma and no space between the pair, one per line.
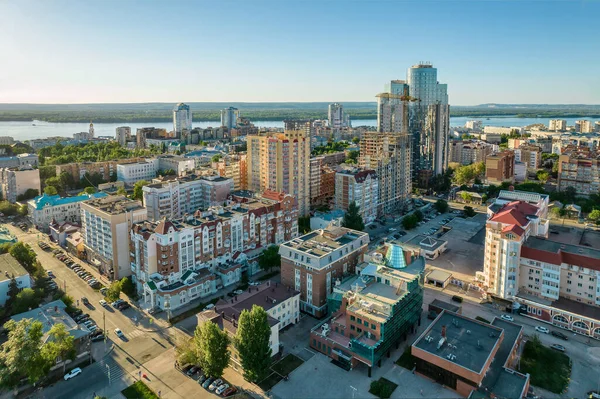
111,368
134,334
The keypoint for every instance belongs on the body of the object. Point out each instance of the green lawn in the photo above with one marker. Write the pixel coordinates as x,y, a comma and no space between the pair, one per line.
382,388
406,360
139,390
269,382
287,364
549,369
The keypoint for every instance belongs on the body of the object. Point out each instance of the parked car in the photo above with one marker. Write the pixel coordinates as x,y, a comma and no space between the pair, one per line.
116,303
93,328
207,383
202,379
238,292
193,370
558,347
216,383
73,373
229,391
457,298
507,317
123,306
560,335
542,329
221,389
85,300
103,290
97,338
103,303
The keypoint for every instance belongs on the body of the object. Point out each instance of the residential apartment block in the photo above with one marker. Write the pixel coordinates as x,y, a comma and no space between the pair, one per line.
557,125
210,249
19,161
281,162
466,152
10,268
16,181
311,264
147,169
583,126
281,304
234,167
44,209
173,197
372,313
144,133
123,135
500,167
530,155
105,225
389,155
182,119
359,186
579,167
107,169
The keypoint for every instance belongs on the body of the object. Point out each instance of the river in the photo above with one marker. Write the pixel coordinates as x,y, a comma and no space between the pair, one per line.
23,130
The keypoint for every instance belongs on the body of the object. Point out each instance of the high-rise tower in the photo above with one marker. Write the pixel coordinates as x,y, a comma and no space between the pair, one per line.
182,119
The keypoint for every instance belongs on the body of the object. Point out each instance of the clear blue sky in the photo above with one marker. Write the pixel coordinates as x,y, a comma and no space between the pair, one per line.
58,51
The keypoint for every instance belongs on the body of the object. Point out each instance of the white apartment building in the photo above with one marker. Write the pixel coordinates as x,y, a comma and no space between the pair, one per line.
180,165
502,130
509,226
42,210
557,125
105,226
132,172
182,119
583,126
122,134
473,125
14,182
361,187
174,197
9,269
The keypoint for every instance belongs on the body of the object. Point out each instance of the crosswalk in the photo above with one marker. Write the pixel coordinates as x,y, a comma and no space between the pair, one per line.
111,368
134,334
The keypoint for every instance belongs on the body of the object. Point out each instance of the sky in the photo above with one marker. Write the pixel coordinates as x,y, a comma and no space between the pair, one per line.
116,51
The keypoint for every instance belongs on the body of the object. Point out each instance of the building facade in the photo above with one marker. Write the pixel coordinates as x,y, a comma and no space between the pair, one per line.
500,167
311,263
557,125
336,117
10,269
358,186
281,162
530,155
583,126
579,167
44,209
389,155
182,119
105,225
233,166
132,172
19,161
466,152
16,181
122,135
229,117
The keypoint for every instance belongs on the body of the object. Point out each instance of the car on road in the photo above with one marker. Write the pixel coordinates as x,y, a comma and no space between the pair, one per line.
103,303
230,294
207,383
123,305
119,333
73,373
560,335
216,383
254,283
221,389
229,391
238,292
392,229
85,300
507,317
558,347
542,329
116,303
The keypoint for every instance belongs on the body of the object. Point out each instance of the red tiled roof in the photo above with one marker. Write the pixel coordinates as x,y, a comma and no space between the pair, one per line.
513,229
163,227
511,216
540,255
273,195
557,258
580,260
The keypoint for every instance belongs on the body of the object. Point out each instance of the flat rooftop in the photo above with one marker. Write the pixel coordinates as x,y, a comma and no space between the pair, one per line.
114,204
471,341
324,242
50,314
425,242
555,246
445,305
9,268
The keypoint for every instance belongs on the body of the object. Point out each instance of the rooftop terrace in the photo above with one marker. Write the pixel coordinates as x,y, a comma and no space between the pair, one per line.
324,242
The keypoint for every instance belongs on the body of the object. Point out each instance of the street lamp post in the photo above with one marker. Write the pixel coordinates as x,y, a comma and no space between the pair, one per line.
353,391
108,369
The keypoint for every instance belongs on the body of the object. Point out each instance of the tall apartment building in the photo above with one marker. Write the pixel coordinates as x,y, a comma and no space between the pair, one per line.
361,187
182,119
336,117
557,125
122,135
144,133
389,155
132,172
473,125
509,226
281,162
105,225
234,167
529,154
391,113
466,152
313,262
500,167
16,181
229,117
579,167
322,177
173,197
597,126
43,209
583,126
371,312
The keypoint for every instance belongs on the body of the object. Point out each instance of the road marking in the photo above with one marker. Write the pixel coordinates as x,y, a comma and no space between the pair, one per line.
135,333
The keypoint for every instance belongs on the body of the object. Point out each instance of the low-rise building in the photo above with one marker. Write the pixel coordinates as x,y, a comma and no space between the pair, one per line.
473,358
44,209
373,312
107,169
311,263
19,161
281,304
11,269
132,172
426,246
530,155
322,220
60,231
16,181
105,226
358,186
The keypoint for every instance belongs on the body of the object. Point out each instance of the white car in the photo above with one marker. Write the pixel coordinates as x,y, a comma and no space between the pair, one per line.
119,333
238,292
542,329
215,384
507,317
221,389
103,302
393,229
73,373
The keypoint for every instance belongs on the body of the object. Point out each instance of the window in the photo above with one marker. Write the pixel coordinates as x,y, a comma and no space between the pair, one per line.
352,318
579,284
352,327
366,323
359,320
568,281
359,330
373,326
568,290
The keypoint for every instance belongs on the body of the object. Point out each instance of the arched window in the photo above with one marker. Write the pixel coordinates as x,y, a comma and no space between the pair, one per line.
597,333
560,319
581,324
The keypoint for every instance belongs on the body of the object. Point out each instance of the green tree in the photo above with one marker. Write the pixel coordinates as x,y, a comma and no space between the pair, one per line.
24,255
212,347
352,157
23,210
466,196
569,194
114,291
418,215
441,206
409,222
59,346
216,158
13,291
352,218
543,176
128,287
88,190
185,351
304,224
594,216
21,355
252,343
26,300
5,248
469,211
50,190
270,258
355,140
28,194
121,191
138,192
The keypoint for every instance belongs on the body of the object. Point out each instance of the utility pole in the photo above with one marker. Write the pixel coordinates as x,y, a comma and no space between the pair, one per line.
104,327
108,369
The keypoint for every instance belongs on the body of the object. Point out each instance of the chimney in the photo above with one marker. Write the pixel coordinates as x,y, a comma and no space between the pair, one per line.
444,331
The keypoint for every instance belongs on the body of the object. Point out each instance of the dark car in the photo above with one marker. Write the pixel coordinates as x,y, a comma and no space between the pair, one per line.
560,335
193,371
98,338
457,298
124,306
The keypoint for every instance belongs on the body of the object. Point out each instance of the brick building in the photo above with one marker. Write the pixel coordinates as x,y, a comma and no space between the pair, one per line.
500,167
